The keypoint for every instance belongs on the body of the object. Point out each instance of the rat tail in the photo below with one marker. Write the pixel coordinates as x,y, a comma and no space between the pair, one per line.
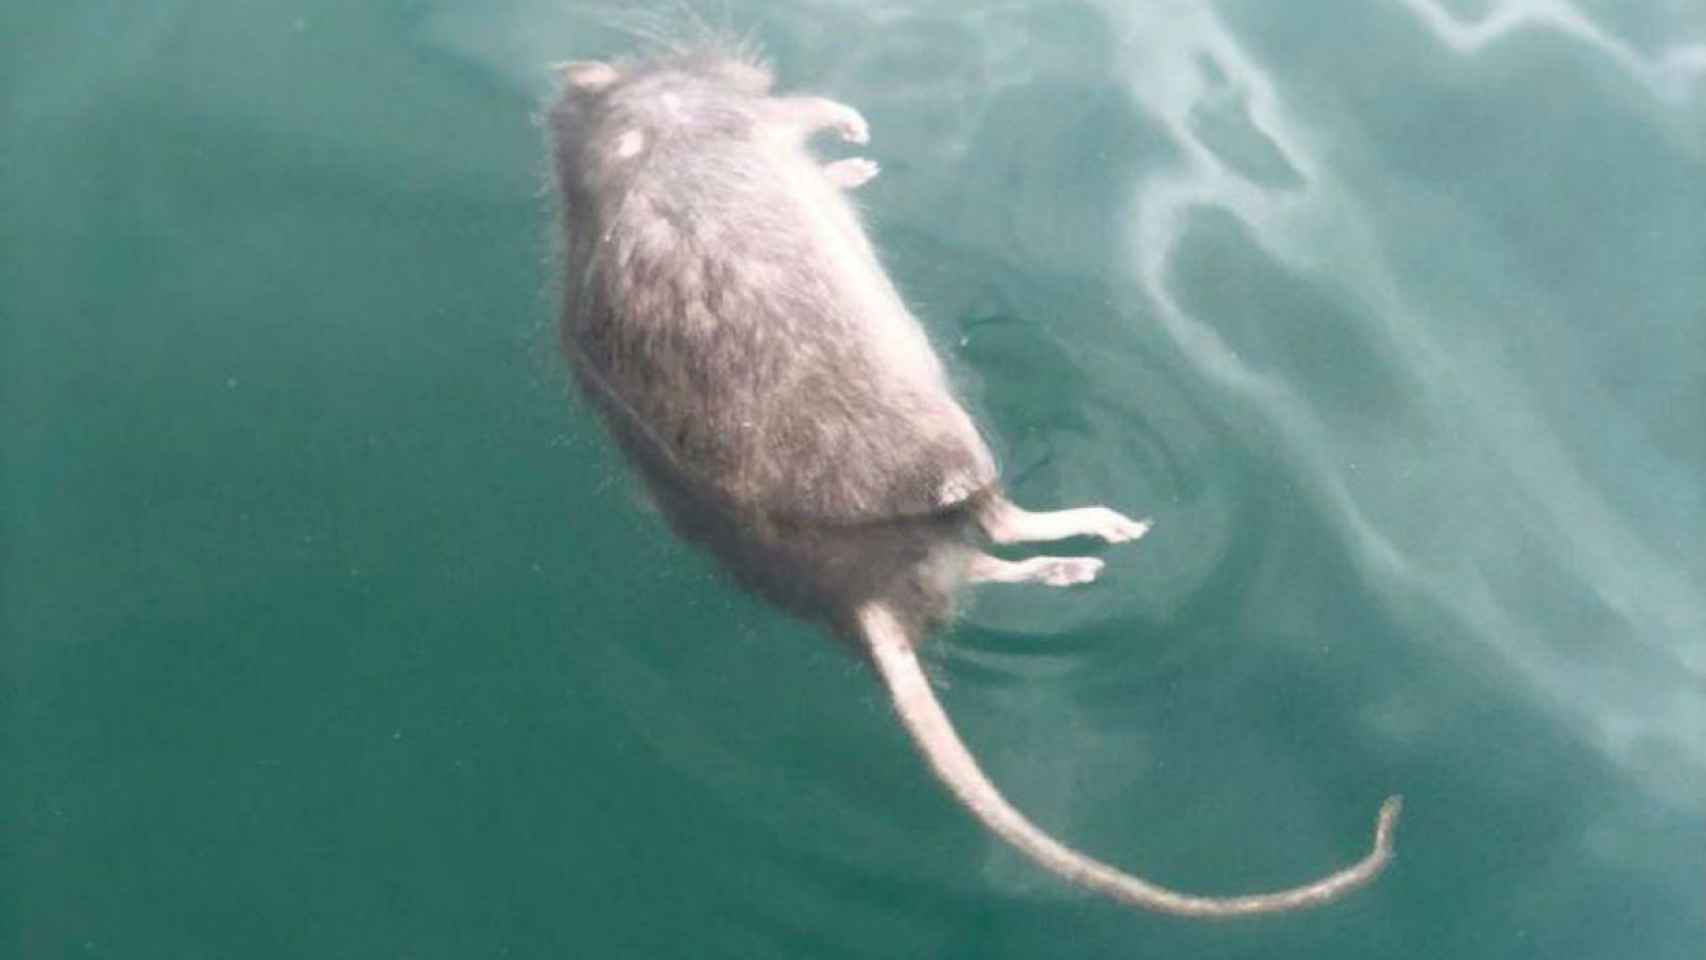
891,650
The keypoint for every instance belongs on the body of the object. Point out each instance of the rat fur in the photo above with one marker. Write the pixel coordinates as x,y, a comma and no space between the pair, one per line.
725,312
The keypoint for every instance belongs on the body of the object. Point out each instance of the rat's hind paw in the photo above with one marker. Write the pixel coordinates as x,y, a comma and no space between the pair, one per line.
1065,571
1113,526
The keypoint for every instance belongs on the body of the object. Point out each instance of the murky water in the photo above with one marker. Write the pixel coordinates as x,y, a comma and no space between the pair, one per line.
334,628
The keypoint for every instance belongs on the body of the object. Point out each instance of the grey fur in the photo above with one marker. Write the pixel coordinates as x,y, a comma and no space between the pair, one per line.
727,315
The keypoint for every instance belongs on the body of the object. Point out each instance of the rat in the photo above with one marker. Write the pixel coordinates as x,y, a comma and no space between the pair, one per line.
727,315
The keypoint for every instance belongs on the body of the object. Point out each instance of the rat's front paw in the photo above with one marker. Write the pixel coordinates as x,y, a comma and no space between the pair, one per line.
851,125
851,172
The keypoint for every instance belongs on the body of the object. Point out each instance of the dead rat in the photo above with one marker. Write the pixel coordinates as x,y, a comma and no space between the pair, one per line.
726,314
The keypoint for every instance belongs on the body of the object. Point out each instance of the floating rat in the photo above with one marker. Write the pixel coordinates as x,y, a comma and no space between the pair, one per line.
726,314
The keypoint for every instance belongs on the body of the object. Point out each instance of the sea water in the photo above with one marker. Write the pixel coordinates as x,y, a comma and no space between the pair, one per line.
333,627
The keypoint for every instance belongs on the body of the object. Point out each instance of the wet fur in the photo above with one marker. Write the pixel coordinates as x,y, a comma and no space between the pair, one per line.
718,312
725,312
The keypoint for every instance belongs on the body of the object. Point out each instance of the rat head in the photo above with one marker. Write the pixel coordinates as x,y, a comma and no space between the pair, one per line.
673,87
611,114
730,70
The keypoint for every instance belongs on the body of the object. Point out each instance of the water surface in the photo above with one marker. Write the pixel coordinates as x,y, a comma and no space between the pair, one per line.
334,628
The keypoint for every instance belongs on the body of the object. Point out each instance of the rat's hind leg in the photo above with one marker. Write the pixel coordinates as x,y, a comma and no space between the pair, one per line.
1005,522
851,172
808,115
1054,571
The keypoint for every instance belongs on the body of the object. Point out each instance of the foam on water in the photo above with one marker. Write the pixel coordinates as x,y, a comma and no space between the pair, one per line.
1674,72
1502,474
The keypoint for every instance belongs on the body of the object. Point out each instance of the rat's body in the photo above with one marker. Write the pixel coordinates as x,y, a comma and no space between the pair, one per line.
726,313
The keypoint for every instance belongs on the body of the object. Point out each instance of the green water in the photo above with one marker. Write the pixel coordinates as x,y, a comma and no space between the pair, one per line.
333,628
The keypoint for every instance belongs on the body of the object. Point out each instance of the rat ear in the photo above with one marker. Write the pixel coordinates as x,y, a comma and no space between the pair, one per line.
589,76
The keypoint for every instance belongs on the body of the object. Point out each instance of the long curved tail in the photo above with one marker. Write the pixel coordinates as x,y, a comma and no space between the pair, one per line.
891,649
